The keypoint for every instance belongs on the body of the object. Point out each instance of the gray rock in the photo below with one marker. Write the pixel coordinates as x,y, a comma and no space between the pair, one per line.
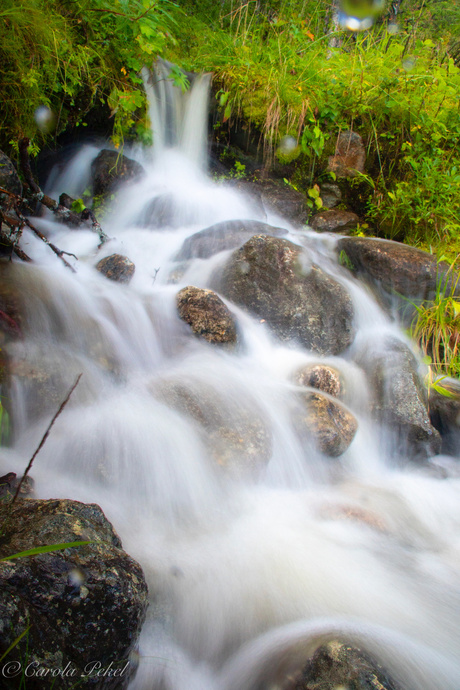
329,423
207,315
116,267
400,399
272,278
84,604
229,234
445,415
349,157
330,194
279,198
334,221
395,267
322,377
337,665
9,179
110,169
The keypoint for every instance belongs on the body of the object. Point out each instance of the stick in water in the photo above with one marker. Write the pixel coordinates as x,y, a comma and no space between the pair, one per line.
45,436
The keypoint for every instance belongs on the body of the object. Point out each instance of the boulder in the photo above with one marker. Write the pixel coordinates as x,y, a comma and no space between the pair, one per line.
339,665
322,377
329,423
349,157
234,432
207,315
445,415
334,221
275,280
278,198
110,169
85,605
330,194
400,399
229,234
116,267
395,268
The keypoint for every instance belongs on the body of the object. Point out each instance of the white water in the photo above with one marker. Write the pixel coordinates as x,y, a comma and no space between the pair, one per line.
247,576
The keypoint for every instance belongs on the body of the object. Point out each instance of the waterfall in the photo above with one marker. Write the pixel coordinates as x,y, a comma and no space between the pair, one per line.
247,575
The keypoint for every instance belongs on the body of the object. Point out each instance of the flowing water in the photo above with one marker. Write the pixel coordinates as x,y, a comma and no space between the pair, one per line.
247,576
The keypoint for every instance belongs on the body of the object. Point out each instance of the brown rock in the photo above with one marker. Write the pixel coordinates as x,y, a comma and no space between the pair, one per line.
334,221
331,425
349,157
110,169
207,315
320,376
116,267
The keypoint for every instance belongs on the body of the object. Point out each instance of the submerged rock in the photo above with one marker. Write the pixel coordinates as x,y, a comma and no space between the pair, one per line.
116,267
233,431
338,665
207,315
274,279
229,234
334,221
320,376
329,423
400,399
85,605
110,169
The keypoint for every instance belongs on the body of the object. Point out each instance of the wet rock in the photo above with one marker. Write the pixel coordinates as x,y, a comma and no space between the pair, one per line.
163,212
334,221
229,234
234,432
337,665
9,179
400,399
116,267
279,198
110,169
11,315
329,423
320,376
394,267
207,315
349,157
445,415
330,195
10,482
273,278
84,604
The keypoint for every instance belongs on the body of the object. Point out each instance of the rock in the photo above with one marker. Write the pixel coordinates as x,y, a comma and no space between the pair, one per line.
116,267
349,157
320,376
400,399
331,425
162,212
337,665
330,194
110,169
229,234
394,267
9,179
272,278
334,221
445,415
84,604
207,315
234,432
281,199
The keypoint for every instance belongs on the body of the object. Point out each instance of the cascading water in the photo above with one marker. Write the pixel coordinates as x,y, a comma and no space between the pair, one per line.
247,576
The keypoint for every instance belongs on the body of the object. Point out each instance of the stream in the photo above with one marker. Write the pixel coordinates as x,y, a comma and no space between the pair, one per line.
247,575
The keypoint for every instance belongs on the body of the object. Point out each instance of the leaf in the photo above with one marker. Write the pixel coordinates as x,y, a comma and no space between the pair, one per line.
14,643
45,549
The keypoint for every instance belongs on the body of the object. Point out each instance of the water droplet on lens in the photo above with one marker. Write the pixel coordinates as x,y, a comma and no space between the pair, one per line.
287,145
408,63
393,28
363,9
76,577
45,119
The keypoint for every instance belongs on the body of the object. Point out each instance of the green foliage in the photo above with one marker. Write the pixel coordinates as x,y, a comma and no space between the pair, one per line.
69,56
